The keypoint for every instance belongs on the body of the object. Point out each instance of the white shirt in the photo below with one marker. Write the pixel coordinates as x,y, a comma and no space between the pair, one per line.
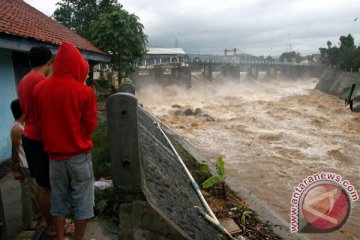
23,162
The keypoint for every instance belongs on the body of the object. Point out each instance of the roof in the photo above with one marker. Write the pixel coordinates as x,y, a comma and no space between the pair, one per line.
165,51
20,20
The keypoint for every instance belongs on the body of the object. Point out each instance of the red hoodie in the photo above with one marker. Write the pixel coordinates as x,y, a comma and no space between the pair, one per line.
66,107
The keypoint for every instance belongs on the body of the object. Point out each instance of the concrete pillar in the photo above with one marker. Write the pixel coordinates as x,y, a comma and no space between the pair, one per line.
254,71
126,86
208,71
184,76
271,70
121,109
230,71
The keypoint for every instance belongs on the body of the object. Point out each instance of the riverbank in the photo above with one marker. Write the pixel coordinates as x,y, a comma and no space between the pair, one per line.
273,133
333,81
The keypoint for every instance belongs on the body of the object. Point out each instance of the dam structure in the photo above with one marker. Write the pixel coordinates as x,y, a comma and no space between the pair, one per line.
180,72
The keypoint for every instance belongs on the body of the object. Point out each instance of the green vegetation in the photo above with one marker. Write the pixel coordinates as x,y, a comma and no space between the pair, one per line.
107,202
245,216
100,152
290,57
110,27
78,15
345,57
219,178
120,34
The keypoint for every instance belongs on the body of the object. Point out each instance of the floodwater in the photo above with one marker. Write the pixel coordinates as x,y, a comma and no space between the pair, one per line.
273,133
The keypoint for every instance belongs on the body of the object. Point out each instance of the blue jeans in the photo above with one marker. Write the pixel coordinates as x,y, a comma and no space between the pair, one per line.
72,182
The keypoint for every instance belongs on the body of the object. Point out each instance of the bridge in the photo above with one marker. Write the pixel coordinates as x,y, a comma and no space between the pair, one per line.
180,72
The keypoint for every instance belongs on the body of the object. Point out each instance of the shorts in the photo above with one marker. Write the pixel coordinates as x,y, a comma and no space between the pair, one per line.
72,183
38,161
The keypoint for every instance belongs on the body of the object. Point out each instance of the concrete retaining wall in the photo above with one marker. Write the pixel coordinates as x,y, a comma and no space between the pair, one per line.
333,80
159,200
163,75
278,224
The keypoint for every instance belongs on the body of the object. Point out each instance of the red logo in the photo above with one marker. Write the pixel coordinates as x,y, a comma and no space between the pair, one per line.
325,207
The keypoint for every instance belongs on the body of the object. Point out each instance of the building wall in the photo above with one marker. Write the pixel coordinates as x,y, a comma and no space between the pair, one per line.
7,94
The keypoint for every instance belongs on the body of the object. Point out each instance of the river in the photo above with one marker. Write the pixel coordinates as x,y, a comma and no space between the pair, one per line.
273,133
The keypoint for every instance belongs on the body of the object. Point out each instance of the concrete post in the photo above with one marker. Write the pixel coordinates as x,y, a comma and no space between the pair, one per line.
208,71
254,71
121,109
184,76
271,71
126,86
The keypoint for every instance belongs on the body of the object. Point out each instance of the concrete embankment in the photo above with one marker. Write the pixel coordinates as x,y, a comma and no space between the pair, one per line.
333,81
279,225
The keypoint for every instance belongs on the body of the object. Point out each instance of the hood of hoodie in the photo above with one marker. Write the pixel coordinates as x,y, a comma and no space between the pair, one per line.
70,63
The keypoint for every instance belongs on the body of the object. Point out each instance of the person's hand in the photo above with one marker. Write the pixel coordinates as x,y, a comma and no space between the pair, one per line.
17,174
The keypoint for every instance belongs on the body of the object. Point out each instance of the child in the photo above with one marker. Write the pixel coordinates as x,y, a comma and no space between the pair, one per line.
21,170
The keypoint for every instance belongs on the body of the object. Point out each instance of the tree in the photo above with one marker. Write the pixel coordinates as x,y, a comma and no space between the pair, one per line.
344,57
347,42
78,15
329,44
290,57
269,58
106,24
330,55
121,34
347,52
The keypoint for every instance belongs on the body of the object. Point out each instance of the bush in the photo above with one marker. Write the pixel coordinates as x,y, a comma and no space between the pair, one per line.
100,152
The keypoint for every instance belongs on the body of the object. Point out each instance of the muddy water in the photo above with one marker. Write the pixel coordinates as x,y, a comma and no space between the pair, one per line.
272,133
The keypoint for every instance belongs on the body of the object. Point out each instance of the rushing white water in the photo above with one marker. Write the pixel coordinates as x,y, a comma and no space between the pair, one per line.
272,133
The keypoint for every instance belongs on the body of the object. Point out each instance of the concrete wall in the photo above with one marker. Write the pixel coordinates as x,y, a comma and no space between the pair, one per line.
233,71
157,198
333,80
7,94
208,71
163,75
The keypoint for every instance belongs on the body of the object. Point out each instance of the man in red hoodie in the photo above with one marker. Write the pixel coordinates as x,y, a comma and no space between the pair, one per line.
40,62
68,115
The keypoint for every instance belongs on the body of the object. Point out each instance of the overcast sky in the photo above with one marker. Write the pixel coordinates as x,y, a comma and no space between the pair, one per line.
258,27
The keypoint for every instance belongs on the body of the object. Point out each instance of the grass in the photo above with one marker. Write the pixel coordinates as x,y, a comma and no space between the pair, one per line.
100,152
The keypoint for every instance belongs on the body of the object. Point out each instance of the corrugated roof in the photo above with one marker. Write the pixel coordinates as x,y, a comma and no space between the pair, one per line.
19,19
165,51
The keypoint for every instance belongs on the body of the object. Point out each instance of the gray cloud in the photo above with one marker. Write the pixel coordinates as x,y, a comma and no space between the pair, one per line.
259,27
